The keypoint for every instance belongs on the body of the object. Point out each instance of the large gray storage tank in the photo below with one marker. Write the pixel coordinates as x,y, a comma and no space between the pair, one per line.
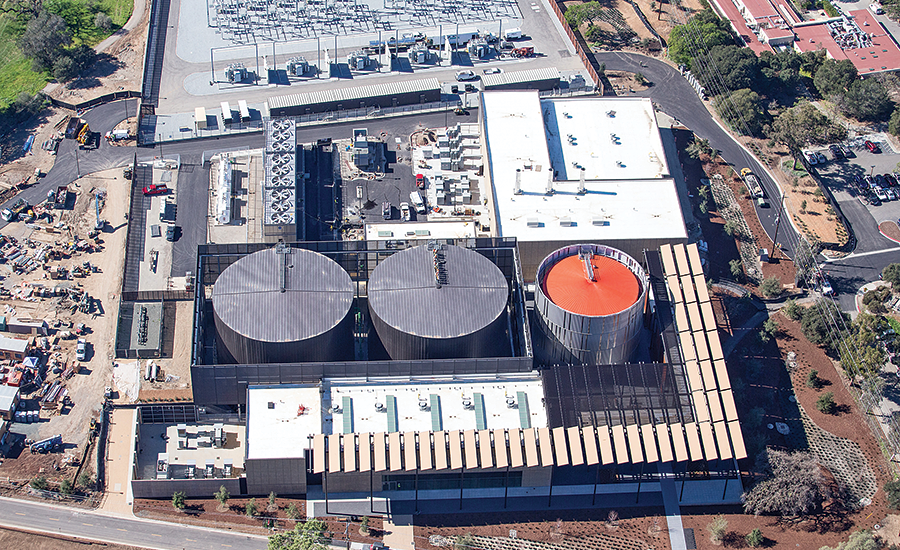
439,302
589,302
284,305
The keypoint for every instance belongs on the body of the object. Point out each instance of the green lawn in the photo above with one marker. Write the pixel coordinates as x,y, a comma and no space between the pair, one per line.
15,70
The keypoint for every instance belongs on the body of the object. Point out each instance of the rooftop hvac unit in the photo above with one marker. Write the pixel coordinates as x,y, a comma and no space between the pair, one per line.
566,222
358,60
533,222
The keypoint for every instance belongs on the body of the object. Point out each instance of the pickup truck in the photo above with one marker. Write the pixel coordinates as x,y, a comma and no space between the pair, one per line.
752,183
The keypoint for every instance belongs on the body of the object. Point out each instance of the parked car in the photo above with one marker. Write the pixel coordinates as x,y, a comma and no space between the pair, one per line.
811,157
891,179
154,189
880,181
892,194
836,151
386,210
463,76
872,147
848,152
170,233
827,290
821,157
879,192
404,211
493,70
81,349
420,181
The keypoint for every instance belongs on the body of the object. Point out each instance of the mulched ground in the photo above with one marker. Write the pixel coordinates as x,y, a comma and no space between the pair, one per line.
647,525
205,512
761,380
890,230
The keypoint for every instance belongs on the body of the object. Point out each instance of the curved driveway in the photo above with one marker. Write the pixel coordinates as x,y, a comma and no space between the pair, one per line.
675,97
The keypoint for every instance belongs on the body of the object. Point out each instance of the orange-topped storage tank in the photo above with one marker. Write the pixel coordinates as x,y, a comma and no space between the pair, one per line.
590,302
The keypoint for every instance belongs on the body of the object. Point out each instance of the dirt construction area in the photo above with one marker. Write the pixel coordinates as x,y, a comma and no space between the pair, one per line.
61,277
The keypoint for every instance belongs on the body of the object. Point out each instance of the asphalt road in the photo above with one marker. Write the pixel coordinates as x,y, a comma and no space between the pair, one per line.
98,526
674,96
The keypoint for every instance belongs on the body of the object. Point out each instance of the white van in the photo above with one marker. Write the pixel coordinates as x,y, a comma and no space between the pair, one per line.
876,9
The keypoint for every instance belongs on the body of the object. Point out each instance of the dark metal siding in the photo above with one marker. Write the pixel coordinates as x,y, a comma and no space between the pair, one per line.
257,322
466,317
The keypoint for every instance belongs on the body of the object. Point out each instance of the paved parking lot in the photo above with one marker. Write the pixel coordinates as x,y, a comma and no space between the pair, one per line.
838,176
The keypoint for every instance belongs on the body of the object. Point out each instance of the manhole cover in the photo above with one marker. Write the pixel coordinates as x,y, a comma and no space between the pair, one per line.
689,541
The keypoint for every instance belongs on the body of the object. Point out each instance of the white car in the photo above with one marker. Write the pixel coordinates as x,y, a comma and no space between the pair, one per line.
493,70
826,289
463,76
879,192
811,157
81,349
404,211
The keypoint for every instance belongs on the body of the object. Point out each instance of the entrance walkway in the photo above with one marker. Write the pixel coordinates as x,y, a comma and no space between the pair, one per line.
118,461
399,533
673,512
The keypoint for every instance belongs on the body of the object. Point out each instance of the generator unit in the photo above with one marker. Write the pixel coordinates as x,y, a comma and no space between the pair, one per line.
359,60
297,66
236,72
480,48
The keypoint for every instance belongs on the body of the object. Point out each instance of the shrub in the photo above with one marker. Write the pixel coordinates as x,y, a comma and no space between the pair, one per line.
66,487
704,207
825,403
755,538
251,509
859,540
364,526
792,310
771,287
222,495
737,269
464,542
272,496
732,229
103,21
39,483
716,529
85,480
292,511
178,500
812,380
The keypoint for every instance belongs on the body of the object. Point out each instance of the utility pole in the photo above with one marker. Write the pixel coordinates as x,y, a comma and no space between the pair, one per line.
777,223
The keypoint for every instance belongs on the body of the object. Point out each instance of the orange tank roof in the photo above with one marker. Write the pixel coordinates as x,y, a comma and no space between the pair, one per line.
614,289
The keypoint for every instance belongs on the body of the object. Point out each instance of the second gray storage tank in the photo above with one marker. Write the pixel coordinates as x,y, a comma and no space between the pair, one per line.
439,302
284,305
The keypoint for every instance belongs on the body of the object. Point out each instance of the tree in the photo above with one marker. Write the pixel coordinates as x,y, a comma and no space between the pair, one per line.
43,40
716,529
272,497
40,483
867,99
742,111
732,229
892,490
704,31
894,122
222,495
771,287
737,269
821,321
802,125
812,380
364,526
304,536
292,511
736,67
793,485
66,487
859,540
178,500
103,21
891,274
834,77
699,147
825,403
755,538
579,13
251,509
